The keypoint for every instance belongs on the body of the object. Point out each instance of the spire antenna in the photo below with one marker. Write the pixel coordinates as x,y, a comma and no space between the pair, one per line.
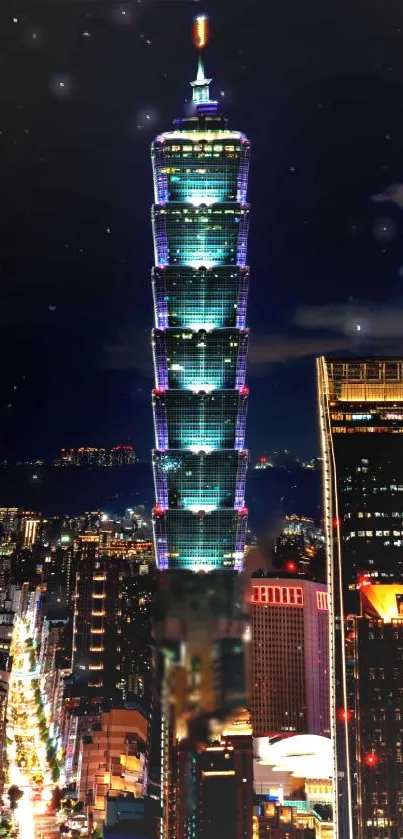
201,85
201,31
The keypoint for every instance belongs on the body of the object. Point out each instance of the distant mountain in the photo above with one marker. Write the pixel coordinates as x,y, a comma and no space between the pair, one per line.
75,489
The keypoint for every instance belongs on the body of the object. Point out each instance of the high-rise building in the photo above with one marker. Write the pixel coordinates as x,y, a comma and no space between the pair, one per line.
30,530
214,789
290,651
138,603
361,421
200,281
378,652
300,547
96,656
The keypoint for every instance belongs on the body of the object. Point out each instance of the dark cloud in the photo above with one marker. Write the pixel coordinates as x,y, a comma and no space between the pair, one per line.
132,351
334,328
343,328
266,350
377,322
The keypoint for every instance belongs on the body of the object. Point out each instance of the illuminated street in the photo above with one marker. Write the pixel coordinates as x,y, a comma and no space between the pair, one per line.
28,767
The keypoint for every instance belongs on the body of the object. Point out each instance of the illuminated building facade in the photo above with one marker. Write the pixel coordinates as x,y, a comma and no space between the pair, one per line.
215,787
290,650
200,281
96,654
378,653
361,420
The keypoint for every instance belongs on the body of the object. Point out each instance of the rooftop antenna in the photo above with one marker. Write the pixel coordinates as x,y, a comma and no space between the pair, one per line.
201,85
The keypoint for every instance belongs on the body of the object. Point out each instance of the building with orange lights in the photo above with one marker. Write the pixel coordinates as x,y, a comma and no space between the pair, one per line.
112,759
96,654
91,456
289,652
361,422
214,787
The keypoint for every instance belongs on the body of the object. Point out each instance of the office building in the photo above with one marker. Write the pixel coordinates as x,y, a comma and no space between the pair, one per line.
289,651
214,785
112,759
361,421
138,605
96,656
300,547
30,530
378,653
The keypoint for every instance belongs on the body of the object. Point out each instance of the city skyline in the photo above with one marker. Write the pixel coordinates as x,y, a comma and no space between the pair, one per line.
178,674
326,138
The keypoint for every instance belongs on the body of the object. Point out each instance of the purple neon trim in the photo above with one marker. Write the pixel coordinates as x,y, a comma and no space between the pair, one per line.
161,372
242,299
240,375
241,423
241,481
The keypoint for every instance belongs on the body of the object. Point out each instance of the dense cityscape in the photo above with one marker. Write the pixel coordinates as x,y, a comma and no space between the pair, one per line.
165,673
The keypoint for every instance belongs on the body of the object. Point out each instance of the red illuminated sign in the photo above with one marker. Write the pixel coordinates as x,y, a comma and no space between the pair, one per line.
278,595
322,601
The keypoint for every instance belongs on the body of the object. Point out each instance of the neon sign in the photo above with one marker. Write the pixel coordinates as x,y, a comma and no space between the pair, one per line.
278,595
322,601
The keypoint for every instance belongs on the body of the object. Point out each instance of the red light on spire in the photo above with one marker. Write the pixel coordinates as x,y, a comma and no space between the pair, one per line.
371,759
200,31
243,511
244,391
336,523
262,459
158,511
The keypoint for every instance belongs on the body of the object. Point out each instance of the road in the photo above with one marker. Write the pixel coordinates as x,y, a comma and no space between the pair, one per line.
27,763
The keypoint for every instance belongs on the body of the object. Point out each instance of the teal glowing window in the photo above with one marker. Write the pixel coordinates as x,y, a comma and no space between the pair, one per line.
200,236
199,481
212,299
187,420
201,360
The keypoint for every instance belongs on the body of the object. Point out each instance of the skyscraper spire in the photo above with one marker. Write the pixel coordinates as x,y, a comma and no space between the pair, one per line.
201,86
200,71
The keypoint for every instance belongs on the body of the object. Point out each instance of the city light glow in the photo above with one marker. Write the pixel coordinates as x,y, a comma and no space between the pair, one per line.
203,263
201,388
383,601
201,508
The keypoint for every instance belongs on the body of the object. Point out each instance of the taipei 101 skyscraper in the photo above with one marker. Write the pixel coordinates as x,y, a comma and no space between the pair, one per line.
200,282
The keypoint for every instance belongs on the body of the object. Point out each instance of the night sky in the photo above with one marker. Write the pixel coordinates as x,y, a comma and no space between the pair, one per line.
84,87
